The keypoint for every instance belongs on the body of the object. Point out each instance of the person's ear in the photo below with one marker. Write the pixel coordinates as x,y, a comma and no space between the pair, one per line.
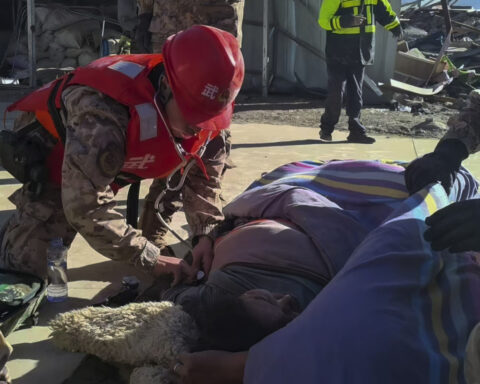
164,93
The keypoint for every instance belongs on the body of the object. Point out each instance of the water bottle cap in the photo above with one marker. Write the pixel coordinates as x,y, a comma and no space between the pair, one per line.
57,242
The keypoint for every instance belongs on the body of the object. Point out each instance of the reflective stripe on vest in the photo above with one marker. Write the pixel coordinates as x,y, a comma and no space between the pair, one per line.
128,68
147,115
393,24
355,30
356,4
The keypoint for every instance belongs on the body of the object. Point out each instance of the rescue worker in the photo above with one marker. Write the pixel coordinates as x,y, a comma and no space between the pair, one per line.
126,118
455,227
350,26
168,18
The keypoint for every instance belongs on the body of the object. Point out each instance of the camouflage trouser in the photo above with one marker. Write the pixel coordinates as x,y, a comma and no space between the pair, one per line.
214,158
150,225
25,237
170,17
144,6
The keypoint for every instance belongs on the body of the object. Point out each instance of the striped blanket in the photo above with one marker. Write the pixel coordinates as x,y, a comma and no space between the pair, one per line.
367,190
397,312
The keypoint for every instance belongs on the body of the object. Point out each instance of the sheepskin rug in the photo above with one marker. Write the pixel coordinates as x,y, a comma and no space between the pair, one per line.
151,375
146,335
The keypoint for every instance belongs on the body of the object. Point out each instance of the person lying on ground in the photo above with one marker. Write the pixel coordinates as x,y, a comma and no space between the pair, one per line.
267,265
384,315
289,238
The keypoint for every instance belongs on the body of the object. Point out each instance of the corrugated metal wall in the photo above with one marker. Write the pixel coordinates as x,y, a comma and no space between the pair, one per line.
296,47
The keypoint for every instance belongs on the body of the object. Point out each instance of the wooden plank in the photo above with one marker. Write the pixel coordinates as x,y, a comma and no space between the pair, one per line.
405,87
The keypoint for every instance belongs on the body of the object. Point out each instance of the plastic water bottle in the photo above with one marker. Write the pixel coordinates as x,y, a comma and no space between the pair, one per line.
57,289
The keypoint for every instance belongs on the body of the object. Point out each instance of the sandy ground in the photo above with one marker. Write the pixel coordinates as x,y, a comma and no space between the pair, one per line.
428,119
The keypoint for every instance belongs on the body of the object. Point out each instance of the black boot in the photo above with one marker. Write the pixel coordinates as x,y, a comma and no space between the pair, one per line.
358,132
361,138
324,136
326,130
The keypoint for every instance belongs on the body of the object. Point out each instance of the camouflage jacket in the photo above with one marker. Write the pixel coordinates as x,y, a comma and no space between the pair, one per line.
94,152
465,126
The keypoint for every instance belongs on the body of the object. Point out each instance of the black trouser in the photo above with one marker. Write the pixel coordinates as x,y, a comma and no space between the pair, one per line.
340,75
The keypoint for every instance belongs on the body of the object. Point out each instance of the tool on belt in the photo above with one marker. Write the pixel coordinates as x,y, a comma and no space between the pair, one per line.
23,154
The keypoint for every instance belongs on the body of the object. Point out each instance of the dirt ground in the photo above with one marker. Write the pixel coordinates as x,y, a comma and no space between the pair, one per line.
419,118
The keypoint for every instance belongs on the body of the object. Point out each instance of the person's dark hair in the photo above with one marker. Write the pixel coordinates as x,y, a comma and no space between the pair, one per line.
225,324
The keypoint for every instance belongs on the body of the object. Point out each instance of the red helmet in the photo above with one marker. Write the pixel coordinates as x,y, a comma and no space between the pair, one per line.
205,69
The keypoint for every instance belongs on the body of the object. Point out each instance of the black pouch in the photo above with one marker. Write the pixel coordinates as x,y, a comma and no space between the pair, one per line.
20,296
23,154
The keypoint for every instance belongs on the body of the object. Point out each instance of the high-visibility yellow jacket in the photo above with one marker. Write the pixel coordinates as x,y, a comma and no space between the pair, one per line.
354,45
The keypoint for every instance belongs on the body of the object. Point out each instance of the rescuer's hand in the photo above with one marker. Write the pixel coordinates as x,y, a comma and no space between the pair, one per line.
349,21
397,32
440,165
455,227
203,255
172,266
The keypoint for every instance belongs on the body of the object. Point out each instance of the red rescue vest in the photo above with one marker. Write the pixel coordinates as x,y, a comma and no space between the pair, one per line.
150,151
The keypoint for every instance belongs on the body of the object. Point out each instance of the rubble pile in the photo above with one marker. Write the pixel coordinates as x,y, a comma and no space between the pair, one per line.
432,63
64,39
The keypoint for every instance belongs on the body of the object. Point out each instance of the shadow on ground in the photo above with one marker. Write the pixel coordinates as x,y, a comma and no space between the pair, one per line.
276,144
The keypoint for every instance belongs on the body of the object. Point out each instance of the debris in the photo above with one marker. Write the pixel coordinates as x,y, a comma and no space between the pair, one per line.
412,67
428,127
409,88
65,37
441,52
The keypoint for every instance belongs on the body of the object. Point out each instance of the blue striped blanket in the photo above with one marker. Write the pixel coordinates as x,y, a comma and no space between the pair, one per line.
397,312
367,190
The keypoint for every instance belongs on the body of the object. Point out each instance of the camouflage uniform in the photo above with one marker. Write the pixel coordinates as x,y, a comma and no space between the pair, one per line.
142,41
94,154
465,126
201,197
171,16
145,6
201,200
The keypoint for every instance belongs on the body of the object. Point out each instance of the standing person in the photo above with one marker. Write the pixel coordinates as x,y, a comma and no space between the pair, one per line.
116,121
167,17
350,27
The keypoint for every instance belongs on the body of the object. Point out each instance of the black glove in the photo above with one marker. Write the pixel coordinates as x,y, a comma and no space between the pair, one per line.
456,227
397,32
440,165
349,21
